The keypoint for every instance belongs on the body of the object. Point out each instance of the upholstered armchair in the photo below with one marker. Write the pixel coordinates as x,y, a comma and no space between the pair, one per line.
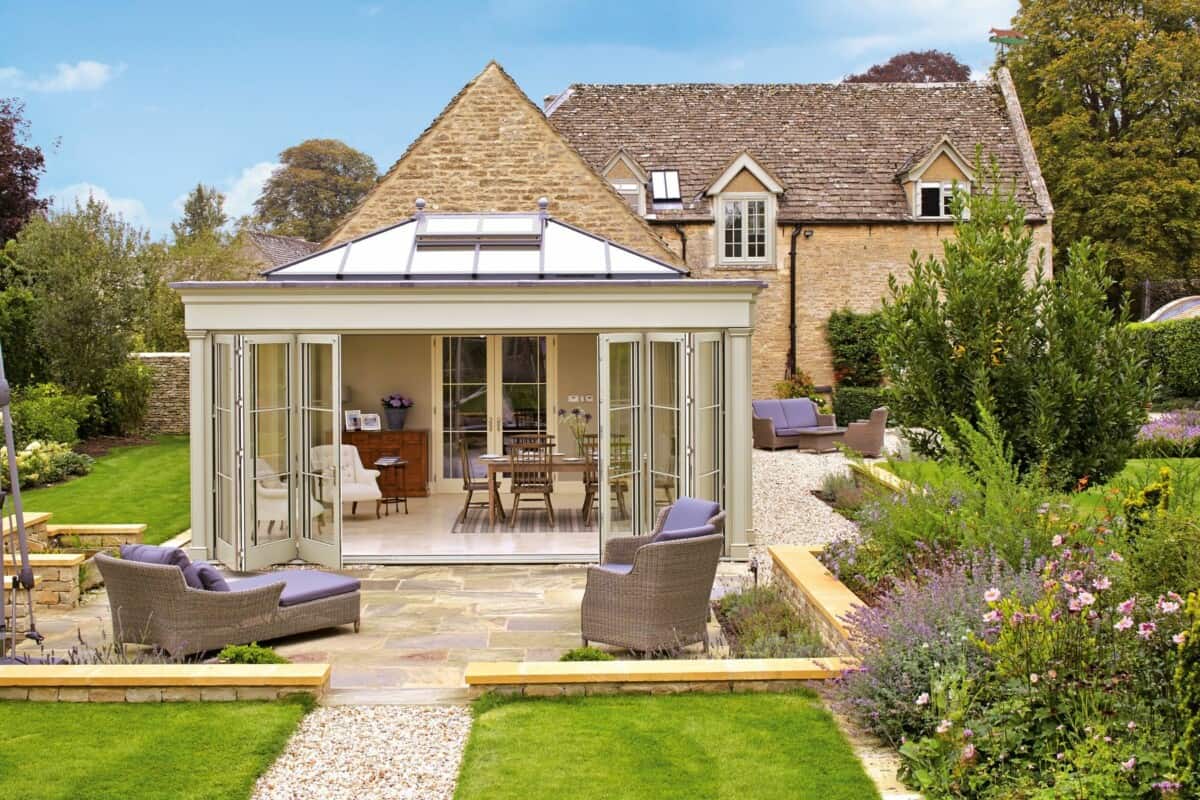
651,593
866,436
359,484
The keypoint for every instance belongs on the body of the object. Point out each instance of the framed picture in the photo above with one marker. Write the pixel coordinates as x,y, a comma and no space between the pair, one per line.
370,422
353,420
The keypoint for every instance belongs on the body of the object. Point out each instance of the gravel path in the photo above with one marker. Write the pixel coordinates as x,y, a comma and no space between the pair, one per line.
392,752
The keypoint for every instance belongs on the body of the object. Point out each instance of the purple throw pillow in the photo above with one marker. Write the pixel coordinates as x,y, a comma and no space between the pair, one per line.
153,554
203,575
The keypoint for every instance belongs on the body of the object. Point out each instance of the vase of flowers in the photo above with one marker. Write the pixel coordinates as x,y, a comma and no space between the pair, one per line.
577,421
395,409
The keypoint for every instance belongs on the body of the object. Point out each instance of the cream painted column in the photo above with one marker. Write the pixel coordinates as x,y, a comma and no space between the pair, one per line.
200,428
739,446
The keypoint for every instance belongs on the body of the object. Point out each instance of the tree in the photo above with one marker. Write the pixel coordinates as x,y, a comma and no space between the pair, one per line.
927,66
972,332
203,215
85,269
21,167
320,181
1111,93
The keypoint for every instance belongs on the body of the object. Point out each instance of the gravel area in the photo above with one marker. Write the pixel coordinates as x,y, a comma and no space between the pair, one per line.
391,752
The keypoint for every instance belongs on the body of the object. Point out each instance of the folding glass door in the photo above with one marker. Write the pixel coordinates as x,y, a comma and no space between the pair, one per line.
276,436
661,425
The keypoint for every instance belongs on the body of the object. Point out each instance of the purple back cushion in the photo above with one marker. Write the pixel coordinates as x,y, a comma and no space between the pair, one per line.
684,533
800,412
153,554
769,409
689,512
203,575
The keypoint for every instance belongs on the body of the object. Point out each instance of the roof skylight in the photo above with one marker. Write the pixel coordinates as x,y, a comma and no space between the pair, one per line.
664,184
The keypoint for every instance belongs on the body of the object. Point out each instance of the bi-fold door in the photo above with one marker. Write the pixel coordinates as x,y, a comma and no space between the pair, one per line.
276,459
661,425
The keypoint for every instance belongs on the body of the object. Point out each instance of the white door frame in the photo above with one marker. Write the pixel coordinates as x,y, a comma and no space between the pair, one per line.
309,547
636,496
227,552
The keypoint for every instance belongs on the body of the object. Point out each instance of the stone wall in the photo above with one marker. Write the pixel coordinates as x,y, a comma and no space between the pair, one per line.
839,266
169,403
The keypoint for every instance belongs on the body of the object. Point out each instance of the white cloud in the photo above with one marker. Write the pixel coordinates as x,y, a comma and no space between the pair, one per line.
132,209
928,22
82,76
372,10
242,191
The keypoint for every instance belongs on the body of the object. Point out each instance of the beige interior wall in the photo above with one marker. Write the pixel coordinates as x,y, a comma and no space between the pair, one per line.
577,376
375,365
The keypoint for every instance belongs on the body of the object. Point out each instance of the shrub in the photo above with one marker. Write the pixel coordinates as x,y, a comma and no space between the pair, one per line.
41,463
760,623
125,397
252,653
1174,349
854,341
1175,434
852,403
1187,686
587,654
842,491
970,330
46,412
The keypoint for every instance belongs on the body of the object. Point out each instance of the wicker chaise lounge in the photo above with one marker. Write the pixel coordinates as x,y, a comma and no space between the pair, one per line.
651,593
153,604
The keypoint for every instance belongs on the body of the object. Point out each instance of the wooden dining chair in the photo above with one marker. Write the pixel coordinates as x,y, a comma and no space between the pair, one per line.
589,447
471,484
532,472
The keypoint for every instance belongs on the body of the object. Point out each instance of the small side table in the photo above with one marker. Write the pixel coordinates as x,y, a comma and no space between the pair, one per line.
400,465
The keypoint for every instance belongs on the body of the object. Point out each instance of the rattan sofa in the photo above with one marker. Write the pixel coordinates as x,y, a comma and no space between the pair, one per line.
152,604
792,422
651,593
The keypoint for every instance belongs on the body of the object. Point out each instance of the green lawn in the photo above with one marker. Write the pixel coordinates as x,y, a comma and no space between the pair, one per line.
690,747
143,483
115,751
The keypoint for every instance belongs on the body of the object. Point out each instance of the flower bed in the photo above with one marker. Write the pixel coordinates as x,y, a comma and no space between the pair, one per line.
759,622
1175,433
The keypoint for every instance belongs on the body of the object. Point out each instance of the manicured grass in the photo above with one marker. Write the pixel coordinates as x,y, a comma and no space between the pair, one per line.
143,483
115,751
689,747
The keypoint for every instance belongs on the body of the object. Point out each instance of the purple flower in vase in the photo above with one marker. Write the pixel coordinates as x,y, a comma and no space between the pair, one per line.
397,401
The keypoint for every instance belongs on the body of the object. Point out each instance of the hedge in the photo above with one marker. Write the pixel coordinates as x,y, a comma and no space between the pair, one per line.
1174,349
852,403
854,341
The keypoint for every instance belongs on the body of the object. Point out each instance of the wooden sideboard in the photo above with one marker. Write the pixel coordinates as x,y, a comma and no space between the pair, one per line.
412,446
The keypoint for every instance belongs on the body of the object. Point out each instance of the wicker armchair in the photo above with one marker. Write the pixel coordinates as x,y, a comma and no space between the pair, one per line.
151,604
651,593
866,437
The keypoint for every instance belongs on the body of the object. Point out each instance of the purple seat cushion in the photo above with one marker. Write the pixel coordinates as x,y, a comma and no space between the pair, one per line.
799,412
769,409
153,554
301,585
617,569
202,575
686,517
790,431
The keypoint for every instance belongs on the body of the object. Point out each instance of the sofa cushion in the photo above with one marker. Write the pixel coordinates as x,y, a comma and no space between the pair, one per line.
690,512
790,431
684,533
616,569
154,554
769,409
799,412
301,585
202,575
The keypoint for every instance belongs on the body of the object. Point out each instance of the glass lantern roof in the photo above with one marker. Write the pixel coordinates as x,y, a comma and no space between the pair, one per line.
483,247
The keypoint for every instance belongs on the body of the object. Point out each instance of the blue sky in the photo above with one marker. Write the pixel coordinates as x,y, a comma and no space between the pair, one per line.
146,99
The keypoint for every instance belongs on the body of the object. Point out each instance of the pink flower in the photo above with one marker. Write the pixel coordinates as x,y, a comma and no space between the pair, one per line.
968,733
1127,607
968,752
1102,583
1033,677
944,726
1060,756
923,699
1052,674
1124,624
992,595
1167,787
1086,598
1115,557
1147,629
1057,540
1130,764
1180,637
1132,725
1074,604
1167,606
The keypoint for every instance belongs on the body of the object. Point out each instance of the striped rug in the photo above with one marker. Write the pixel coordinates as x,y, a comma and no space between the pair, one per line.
530,519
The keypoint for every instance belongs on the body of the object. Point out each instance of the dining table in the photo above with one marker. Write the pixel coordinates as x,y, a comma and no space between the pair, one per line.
498,466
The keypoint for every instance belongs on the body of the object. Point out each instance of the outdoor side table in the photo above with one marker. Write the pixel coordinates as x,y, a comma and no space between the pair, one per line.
820,438
397,482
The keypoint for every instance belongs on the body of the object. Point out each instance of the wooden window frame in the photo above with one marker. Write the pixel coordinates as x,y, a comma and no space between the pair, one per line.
743,198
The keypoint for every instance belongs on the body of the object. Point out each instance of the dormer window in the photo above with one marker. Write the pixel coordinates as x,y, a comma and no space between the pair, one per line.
931,177
934,199
745,197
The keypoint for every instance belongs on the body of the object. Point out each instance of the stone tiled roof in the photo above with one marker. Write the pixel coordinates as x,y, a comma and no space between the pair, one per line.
836,148
278,250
